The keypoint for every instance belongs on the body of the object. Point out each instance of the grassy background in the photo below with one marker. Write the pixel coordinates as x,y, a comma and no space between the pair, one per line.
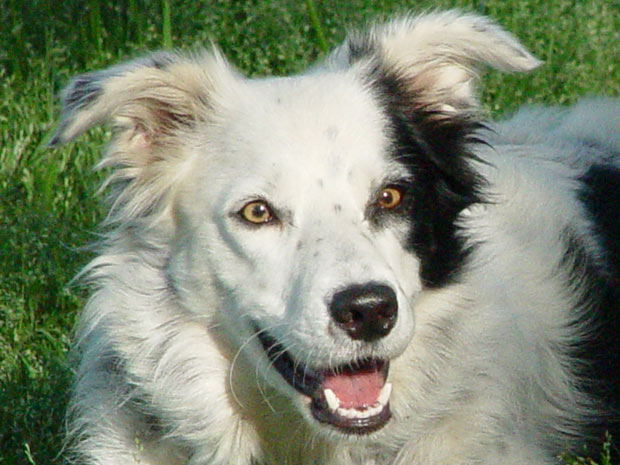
48,209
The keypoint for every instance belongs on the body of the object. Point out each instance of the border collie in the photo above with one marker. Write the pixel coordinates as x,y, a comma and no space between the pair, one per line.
347,266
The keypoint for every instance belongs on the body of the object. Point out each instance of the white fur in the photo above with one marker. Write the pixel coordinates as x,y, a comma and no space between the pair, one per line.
477,369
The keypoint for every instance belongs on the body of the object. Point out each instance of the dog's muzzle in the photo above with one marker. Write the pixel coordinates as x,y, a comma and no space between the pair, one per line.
352,397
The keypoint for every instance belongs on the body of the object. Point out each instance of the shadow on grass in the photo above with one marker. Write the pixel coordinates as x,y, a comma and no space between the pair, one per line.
32,409
39,257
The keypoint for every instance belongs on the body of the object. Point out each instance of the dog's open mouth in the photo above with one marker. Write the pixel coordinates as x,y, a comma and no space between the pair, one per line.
354,398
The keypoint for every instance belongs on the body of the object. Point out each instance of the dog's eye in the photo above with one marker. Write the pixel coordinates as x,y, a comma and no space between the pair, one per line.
257,212
389,198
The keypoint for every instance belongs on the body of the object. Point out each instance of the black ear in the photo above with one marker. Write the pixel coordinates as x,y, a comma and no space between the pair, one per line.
438,54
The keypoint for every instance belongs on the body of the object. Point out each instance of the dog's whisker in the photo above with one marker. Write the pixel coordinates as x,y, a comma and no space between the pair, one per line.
307,362
260,379
233,364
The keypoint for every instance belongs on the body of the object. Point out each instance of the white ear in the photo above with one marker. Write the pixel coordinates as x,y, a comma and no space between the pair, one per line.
154,104
150,97
438,54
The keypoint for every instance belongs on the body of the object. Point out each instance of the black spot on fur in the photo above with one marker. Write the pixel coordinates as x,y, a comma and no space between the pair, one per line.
436,149
150,427
337,208
112,365
161,60
332,132
56,140
84,91
360,46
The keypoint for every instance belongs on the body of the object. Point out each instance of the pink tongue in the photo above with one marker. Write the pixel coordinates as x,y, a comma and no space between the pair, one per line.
359,389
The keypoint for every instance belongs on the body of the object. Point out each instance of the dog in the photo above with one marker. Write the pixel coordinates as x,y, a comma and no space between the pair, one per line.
349,265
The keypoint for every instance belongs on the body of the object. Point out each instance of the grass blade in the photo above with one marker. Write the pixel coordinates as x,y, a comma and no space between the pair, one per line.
166,24
316,26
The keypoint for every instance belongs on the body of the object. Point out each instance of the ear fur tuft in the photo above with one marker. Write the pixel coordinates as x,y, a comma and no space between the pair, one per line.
438,54
155,94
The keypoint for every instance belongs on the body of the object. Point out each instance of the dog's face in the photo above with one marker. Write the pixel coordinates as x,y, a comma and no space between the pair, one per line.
298,216
303,216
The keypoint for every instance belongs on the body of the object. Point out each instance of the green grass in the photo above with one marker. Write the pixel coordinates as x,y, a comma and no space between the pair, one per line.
48,209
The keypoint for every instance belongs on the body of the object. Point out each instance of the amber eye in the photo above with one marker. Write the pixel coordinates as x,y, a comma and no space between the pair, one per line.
257,212
389,198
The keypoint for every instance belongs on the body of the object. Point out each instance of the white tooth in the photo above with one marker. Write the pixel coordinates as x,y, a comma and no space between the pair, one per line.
355,413
332,401
371,412
374,410
384,396
346,412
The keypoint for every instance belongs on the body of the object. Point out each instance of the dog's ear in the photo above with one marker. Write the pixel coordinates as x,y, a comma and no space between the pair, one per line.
147,100
154,105
437,54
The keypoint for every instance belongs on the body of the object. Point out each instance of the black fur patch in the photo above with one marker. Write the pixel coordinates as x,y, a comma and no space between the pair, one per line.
600,195
360,46
436,149
161,60
83,92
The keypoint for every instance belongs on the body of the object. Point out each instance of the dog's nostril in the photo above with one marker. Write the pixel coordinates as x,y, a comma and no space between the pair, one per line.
365,311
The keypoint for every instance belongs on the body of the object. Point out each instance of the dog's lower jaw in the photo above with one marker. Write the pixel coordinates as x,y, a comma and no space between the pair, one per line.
350,399
354,421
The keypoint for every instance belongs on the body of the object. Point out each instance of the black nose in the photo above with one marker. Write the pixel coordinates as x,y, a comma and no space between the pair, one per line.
365,311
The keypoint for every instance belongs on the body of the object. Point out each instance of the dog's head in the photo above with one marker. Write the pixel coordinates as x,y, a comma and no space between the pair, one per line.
304,215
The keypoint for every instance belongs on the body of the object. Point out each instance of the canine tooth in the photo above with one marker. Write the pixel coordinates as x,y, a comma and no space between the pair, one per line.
332,401
384,396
